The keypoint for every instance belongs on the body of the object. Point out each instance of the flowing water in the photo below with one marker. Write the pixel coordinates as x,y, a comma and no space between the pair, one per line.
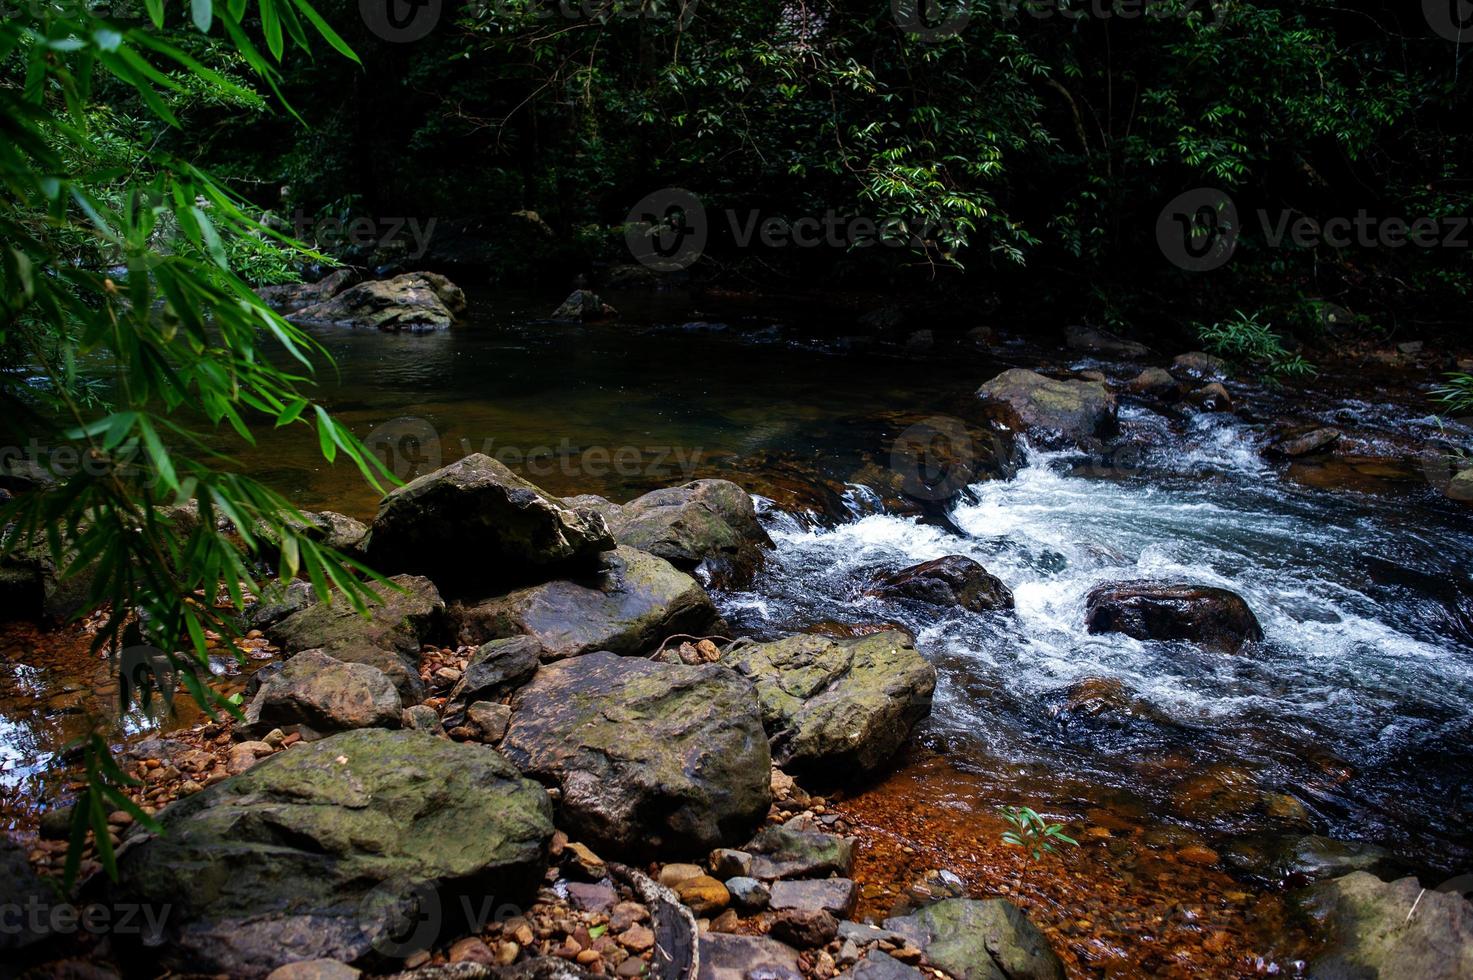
1353,718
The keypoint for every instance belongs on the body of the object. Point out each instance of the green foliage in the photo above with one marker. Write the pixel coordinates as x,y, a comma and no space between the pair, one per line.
1456,394
1246,341
1035,835
134,351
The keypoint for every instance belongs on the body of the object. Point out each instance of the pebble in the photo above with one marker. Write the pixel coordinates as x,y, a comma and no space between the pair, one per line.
637,938
704,895
672,875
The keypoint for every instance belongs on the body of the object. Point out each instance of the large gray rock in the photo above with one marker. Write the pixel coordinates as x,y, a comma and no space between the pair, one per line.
401,670
980,940
475,521
630,607
952,581
1055,412
400,621
495,670
292,296
707,527
416,302
651,758
782,852
837,708
1390,930
725,956
358,848
1213,618
317,695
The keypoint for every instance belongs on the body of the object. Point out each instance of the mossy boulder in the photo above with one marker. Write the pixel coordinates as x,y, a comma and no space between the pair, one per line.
652,759
630,607
1390,930
401,621
980,940
706,527
475,522
837,708
783,852
1055,412
316,695
415,302
359,848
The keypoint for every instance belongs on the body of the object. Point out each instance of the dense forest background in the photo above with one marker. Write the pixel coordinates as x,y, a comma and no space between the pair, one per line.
1036,144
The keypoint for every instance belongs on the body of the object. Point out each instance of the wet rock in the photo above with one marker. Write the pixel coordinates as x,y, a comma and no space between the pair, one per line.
1197,366
278,601
1104,700
1213,397
936,885
1055,412
317,695
422,718
1214,618
1390,930
401,670
583,306
1155,383
327,527
980,940
727,863
674,874
748,894
21,890
778,852
879,965
703,895
630,607
1301,444
476,522
292,296
953,581
327,851
495,670
836,709
592,896
1460,487
804,928
1303,859
416,302
401,621
1094,341
833,895
488,720
707,527
649,757
314,970
729,957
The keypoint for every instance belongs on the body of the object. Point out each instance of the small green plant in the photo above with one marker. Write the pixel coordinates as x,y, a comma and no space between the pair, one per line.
1032,833
1245,340
1457,393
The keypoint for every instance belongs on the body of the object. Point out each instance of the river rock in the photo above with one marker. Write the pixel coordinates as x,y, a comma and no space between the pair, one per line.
400,621
290,297
748,894
278,601
337,849
1213,618
804,928
837,708
1055,412
725,956
630,607
416,301
835,896
1155,382
1212,397
495,670
401,670
880,965
21,891
1197,366
1092,340
317,695
953,581
583,306
781,852
707,527
980,940
1295,445
1302,859
475,521
1390,930
651,758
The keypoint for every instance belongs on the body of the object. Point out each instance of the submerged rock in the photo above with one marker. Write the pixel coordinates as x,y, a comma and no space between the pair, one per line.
651,758
583,306
416,302
358,848
317,695
630,607
980,940
475,521
837,708
1390,930
707,527
953,581
1197,366
1214,618
1055,412
1295,445
1304,858
1095,341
